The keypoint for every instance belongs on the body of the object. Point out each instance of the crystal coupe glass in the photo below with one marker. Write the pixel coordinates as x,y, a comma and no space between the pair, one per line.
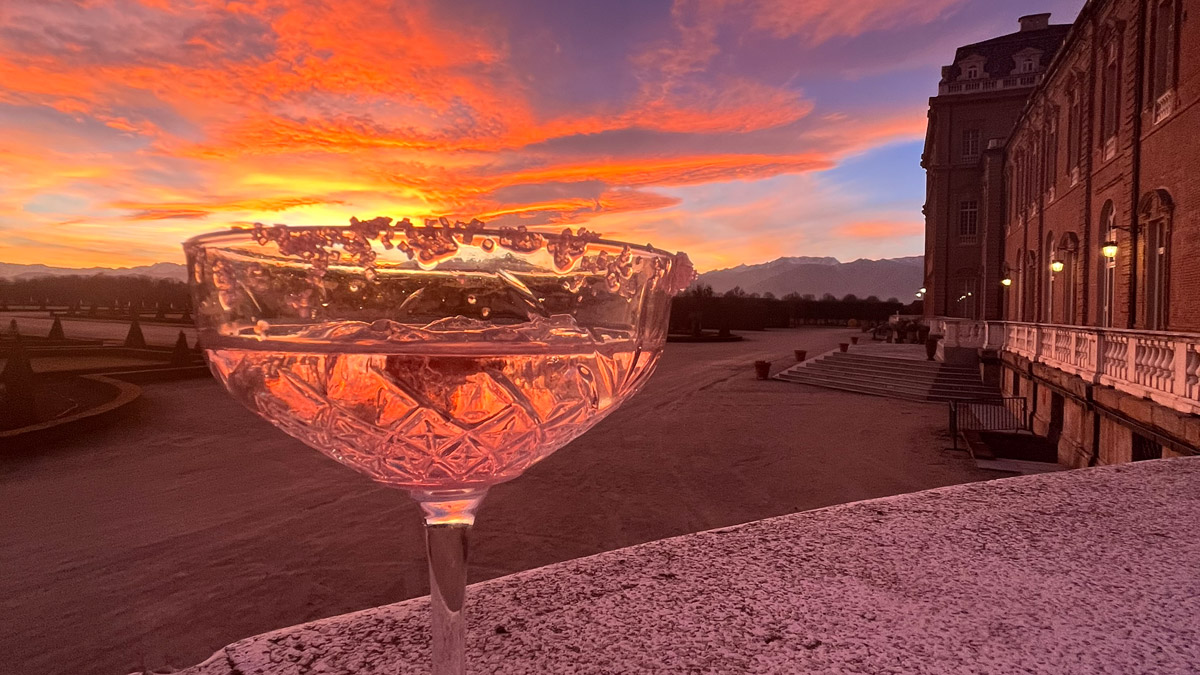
440,358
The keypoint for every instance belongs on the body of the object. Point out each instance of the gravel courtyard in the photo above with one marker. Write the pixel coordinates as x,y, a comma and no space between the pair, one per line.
191,523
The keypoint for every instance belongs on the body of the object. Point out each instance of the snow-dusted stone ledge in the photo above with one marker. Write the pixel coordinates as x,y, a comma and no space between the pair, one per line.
1091,571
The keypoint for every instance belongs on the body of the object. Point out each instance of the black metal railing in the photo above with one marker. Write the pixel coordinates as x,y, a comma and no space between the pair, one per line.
1006,413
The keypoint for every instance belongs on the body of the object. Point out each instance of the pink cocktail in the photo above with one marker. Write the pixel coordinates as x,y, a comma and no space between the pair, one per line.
441,359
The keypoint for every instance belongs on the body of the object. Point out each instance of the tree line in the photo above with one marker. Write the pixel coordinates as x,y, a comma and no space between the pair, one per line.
735,309
98,292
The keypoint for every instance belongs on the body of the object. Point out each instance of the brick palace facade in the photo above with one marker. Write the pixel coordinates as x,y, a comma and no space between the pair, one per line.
1062,221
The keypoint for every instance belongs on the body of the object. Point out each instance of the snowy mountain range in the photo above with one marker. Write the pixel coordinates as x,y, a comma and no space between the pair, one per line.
162,270
890,278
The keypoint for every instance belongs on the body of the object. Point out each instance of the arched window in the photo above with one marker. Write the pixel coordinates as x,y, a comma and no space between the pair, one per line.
1017,290
965,302
1108,265
1068,286
1051,254
1154,220
1031,279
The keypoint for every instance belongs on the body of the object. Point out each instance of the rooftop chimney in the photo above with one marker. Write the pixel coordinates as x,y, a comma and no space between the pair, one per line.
1035,22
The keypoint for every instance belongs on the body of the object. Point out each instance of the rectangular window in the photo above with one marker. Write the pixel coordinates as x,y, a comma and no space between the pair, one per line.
1052,153
1073,132
1163,43
1021,171
1035,161
970,144
968,221
1014,188
1110,90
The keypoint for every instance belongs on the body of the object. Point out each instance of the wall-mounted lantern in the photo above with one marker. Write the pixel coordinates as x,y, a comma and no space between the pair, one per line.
1056,266
1109,249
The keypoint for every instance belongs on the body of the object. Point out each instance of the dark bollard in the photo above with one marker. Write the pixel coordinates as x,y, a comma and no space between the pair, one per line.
12,328
762,369
182,354
844,346
931,343
17,400
134,339
801,354
854,340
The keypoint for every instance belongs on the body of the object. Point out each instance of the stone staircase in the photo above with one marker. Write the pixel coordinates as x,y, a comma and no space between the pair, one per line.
895,377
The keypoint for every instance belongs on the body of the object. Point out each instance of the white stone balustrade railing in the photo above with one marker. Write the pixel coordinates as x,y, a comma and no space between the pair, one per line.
1162,366
959,332
992,84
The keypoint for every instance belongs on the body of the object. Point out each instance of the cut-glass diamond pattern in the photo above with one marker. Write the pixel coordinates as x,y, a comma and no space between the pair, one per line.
416,421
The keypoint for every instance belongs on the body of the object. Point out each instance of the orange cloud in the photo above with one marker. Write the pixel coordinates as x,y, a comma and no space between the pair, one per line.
128,124
881,230
167,211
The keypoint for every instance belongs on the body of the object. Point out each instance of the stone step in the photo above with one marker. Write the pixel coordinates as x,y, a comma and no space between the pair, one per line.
910,364
898,388
889,373
930,375
855,387
884,391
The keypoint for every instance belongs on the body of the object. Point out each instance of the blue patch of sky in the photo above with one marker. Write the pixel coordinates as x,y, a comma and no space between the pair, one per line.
887,176
51,202
905,89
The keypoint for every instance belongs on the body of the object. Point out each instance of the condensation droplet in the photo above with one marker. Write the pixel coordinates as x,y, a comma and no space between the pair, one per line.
471,301
261,328
354,286
484,312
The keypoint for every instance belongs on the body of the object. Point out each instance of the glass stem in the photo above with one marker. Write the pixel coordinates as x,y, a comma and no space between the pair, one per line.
446,546
448,518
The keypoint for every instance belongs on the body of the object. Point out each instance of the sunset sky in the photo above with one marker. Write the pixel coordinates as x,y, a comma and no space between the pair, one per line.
738,131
